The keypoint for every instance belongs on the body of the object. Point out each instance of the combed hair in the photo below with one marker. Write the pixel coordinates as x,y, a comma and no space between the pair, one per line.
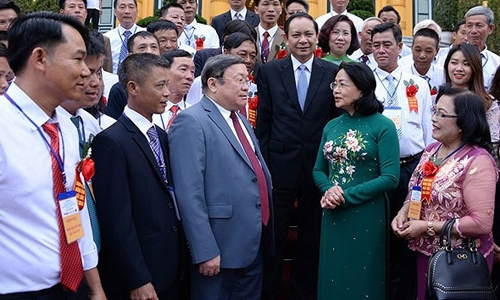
165,8
427,32
7,4
456,28
39,29
216,66
170,55
324,34
62,3
396,30
471,116
481,10
239,26
95,44
300,15
364,80
138,67
301,2
142,34
115,3
162,25
3,50
389,8
234,40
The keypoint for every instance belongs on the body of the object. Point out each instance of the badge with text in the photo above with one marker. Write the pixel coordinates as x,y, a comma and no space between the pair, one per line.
415,203
393,113
70,215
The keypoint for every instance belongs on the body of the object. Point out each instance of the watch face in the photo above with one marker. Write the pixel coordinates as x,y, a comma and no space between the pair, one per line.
430,232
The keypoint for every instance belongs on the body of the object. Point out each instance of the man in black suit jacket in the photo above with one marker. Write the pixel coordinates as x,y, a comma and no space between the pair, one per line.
238,11
289,135
140,240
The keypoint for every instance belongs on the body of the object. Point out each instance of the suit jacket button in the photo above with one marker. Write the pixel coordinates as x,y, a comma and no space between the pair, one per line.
174,228
254,179
170,205
258,206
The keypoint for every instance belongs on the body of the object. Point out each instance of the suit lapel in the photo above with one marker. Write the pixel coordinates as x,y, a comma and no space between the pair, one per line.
142,142
317,74
278,39
287,74
216,117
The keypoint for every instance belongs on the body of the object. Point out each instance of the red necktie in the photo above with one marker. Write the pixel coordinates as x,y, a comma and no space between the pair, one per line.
174,109
261,178
265,47
364,59
71,260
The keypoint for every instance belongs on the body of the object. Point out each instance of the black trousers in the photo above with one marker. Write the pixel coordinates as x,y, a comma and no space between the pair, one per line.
93,15
402,269
304,272
57,292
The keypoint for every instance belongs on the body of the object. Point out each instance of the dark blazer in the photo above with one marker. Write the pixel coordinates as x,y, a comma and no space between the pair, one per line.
289,138
140,242
216,187
201,57
220,21
279,38
117,100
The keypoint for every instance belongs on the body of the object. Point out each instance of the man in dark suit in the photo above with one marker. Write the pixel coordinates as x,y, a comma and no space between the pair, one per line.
201,56
238,11
140,244
290,122
222,185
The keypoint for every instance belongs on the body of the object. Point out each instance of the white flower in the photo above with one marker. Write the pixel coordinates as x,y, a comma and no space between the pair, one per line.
328,147
350,170
352,143
351,133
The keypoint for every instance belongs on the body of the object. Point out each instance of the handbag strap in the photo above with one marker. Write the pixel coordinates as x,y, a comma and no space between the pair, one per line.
446,229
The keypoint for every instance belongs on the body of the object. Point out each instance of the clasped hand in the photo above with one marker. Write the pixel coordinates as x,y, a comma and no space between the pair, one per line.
333,197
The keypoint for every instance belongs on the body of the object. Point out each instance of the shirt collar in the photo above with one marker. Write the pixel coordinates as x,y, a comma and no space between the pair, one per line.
272,30
243,13
181,104
193,24
122,30
140,121
226,114
296,63
383,74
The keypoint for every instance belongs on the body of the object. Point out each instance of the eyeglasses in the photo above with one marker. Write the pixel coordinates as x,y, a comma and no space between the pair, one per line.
440,114
337,33
340,85
238,80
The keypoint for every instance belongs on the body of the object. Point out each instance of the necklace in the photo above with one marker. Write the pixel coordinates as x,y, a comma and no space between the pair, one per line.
438,161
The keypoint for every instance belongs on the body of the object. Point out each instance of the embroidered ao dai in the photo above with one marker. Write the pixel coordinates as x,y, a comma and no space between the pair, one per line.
361,154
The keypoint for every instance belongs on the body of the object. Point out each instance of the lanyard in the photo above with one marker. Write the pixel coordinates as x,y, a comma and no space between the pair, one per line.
60,162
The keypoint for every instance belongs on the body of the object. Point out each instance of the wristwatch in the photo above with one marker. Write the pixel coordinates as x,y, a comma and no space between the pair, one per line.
430,228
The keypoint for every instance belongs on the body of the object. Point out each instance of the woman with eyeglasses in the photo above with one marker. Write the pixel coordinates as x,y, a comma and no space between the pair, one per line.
455,178
338,38
358,161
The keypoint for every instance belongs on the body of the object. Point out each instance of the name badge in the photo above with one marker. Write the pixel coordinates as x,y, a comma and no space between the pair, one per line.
415,203
393,113
72,223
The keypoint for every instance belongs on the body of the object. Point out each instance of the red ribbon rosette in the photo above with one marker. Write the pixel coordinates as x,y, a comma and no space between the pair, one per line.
199,43
411,90
88,169
429,170
318,52
282,53
253,102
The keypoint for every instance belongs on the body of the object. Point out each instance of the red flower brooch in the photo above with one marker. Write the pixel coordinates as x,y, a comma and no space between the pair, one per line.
411,92
430,169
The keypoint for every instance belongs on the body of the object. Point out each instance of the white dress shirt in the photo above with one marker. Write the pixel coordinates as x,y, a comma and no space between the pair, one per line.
296,64
358,22
116,40
29,231
139,120
109,80
435,74
187,37
242,12
162,119
356,56
272,34
490,62
416,126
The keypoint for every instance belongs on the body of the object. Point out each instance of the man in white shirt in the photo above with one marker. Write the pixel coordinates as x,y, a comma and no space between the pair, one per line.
38,146
269,35
412,117
424,49
126,13
365,54
194,34
181,76
174,12
408,60
339,7
479,25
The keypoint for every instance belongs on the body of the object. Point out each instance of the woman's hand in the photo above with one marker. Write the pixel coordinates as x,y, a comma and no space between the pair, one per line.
333,197
398,223
413,229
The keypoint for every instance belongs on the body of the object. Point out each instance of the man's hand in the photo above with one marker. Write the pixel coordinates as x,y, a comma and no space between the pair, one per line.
210,267
145,292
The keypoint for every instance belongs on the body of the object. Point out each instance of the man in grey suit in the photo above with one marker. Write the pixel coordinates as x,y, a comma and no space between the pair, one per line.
238,11
223,186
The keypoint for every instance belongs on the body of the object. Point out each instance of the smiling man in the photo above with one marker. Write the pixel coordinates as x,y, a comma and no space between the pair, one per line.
479,24
295,103
126,13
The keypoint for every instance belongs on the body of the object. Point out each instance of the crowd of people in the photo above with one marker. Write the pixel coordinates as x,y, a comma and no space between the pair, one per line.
168,162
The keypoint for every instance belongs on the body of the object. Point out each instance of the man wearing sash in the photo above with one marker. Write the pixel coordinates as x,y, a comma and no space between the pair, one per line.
407,102
46,241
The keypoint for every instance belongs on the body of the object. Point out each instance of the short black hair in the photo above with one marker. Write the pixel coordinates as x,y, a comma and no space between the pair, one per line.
427,32
8,4
138,67
300,15
143,34
301,2
324,34
3,50
389,8
471,116
234,40
396,30
162,25
456,28
95,44
39,29
4,36
239,26
115,3
165,8
62,3
364,80
170,55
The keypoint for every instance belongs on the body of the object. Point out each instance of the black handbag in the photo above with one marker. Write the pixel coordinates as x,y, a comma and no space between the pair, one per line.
458,273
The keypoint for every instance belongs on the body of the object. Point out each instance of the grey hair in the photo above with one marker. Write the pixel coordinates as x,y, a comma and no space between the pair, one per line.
481,10
216,66
369,20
